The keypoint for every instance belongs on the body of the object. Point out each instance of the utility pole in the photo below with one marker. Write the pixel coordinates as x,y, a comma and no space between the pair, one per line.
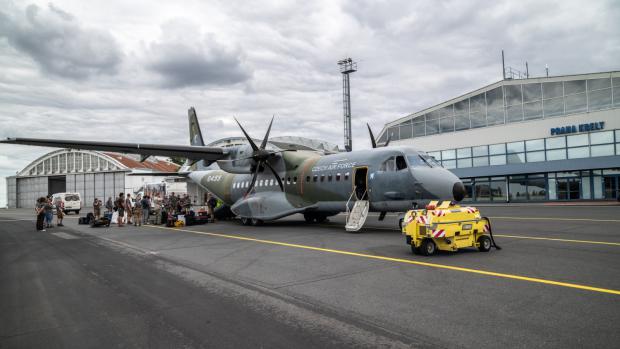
503,66
347,66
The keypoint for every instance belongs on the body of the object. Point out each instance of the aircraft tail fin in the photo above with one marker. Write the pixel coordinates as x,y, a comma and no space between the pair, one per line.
195,139
195,135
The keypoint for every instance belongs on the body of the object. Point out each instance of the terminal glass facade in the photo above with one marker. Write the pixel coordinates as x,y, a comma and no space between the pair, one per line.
583,145
509,103
571,185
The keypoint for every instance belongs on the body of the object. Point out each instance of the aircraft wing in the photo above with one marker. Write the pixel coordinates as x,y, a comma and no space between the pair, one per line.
196,153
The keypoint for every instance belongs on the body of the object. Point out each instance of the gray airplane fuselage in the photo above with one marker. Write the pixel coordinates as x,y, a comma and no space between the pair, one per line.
393,179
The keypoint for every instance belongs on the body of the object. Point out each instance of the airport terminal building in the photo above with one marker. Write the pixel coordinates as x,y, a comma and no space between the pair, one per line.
536,139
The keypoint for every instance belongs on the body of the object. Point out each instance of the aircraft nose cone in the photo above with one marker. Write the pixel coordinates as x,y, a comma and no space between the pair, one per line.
458,191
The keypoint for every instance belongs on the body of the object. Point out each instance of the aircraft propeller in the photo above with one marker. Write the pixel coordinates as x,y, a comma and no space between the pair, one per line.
260,157
372,138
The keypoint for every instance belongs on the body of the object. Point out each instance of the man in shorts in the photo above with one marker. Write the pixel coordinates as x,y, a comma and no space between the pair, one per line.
137,212
120,209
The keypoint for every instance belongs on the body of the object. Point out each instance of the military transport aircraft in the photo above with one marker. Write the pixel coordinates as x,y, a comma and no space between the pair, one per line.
264,182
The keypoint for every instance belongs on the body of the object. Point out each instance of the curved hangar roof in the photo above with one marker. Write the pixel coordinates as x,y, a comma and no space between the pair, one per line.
65,161
284,142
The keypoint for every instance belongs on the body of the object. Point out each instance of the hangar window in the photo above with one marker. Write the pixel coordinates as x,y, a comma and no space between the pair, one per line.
234,185
271,182
337,176
294,180
346,176
329,177
322,178
315,178
288,181
307,179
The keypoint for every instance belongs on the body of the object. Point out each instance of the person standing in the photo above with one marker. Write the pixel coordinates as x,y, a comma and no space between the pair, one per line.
128,208
109,205
211,203
97,208
137,212
60,212
146,208
120,209
157,208
49,212
40,211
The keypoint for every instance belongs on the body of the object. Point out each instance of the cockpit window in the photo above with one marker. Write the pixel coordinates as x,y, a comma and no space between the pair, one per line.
388,165
401,164
422,160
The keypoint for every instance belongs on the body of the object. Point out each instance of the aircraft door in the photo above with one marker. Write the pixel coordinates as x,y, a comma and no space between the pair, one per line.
360,183
391,181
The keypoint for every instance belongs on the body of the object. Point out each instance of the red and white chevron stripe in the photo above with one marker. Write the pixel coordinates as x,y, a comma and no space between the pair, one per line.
439,213
471,209
486,228
422,220
408,219
439,233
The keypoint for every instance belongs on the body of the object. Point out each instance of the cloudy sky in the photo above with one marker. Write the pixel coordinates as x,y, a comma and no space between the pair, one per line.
128,70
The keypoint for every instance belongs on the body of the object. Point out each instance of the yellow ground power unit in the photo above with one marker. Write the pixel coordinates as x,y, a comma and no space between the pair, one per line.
447,227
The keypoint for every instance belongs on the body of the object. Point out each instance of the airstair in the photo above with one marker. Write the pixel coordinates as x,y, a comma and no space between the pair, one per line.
356,217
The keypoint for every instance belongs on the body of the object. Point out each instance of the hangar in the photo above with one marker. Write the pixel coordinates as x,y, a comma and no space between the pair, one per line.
91,173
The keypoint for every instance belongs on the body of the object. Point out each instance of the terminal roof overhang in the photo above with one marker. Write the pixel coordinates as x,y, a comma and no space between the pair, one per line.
409,117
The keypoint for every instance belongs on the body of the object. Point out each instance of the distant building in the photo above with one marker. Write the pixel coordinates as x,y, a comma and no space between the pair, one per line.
91,173
536,139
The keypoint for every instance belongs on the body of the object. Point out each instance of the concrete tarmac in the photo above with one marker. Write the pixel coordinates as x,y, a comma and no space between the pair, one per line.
555,284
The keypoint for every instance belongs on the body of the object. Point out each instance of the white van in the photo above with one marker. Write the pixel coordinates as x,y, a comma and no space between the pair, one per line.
73,201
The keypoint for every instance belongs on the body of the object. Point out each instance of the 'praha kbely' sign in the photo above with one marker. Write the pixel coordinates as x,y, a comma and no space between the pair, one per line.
592,126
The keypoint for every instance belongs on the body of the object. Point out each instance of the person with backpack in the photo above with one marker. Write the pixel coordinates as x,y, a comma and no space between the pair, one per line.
40,211
120,209
146,208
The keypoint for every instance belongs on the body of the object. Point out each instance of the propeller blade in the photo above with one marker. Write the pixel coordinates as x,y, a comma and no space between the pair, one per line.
372,137
252,144
275,174
253,180
264,144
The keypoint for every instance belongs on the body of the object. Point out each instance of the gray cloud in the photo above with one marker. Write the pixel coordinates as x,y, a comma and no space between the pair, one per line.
58,43
182,61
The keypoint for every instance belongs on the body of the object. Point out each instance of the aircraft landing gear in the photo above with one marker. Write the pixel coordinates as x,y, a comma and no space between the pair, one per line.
315,218
251,221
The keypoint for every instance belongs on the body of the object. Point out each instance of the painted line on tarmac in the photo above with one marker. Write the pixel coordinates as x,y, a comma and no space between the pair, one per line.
406,261
516,237
558,219
557,239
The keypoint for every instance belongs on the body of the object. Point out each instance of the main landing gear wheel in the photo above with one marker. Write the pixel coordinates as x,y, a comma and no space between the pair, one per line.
428,247
308,218
246,221
485,243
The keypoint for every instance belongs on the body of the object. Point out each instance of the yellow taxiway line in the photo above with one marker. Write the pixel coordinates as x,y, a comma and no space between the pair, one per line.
406,261
558,239
516,237
558,219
